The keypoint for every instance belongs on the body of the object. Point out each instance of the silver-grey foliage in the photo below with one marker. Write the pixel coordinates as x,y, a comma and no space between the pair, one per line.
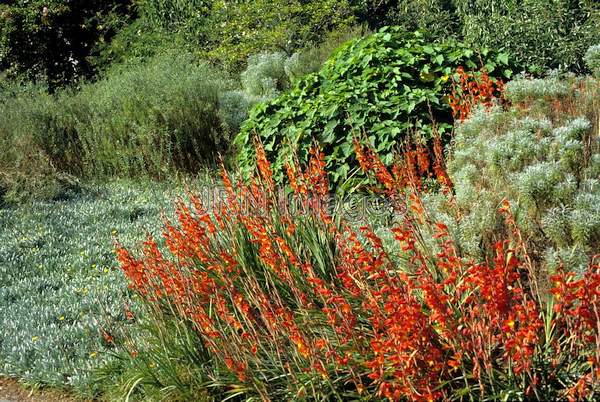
549,171
592,59
59,280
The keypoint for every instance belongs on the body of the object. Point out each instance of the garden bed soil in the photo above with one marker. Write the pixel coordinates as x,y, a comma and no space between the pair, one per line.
12,391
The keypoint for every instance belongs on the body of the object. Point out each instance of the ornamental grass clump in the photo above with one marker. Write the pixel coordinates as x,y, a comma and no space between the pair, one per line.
283,303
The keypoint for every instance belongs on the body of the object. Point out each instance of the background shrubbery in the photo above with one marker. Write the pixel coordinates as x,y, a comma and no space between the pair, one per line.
70,39
34,147
54,39
229,32
148,120
157,114
240,29
539,34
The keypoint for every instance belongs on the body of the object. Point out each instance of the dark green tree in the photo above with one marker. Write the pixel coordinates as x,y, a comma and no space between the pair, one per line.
53,39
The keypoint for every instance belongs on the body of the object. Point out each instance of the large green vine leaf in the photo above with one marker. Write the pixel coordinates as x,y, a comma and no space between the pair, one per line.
384,86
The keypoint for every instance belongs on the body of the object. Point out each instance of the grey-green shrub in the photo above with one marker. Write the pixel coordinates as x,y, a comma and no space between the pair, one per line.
152,119
35,147
233,109
592,59
522,89
263,79
546,165
265,74
268,74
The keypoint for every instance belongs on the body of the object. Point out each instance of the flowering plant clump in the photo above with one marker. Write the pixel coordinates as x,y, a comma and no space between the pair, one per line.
470,89
303,306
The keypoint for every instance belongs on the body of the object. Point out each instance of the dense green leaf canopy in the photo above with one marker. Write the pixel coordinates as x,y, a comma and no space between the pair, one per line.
384,86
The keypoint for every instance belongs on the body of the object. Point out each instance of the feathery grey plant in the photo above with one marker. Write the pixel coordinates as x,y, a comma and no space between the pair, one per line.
264,78
522,89
592,59
265,74
234,107
549,171
301,63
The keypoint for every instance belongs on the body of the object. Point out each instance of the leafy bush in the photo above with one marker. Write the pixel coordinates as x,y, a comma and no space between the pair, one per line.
592,59
543,156
286,306
388,85
540,35
152,119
